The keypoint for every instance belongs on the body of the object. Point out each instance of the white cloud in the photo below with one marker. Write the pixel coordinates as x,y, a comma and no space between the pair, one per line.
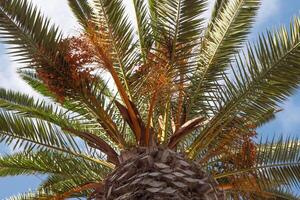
59,12
9,79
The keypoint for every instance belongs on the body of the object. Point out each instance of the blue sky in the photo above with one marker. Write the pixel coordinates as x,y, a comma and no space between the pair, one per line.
273,13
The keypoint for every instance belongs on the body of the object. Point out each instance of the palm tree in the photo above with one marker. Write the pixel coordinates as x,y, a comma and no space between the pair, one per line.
165,107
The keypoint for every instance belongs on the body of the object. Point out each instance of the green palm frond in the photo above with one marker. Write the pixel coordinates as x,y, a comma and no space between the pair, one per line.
101,107
68,189
217,9
176,27
27,106
90,116
72,105
57,184
31,196
49,162
267,77
68,122
65,180
99,113
114,44
99,89
282,194
225,35
82,11
179,26
34,40
111,16
266,117
41,46
29,134
276,194
277,165
30,77
143,28
43,133
153,14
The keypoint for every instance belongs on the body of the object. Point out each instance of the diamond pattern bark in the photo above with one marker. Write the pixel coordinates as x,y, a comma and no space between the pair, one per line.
159,174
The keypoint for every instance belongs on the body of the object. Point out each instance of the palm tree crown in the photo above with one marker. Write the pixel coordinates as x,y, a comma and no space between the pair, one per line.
168,80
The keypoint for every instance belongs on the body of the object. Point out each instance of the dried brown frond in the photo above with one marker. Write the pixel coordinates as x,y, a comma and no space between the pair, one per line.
100,37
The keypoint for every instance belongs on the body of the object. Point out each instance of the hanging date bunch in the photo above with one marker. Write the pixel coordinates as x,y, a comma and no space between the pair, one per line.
242,153
247,155
75,74
154,77
249,148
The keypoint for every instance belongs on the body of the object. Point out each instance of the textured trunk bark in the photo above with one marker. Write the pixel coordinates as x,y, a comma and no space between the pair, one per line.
158,174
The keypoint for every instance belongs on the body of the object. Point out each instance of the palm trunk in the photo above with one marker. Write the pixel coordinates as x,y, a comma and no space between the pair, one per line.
158,174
